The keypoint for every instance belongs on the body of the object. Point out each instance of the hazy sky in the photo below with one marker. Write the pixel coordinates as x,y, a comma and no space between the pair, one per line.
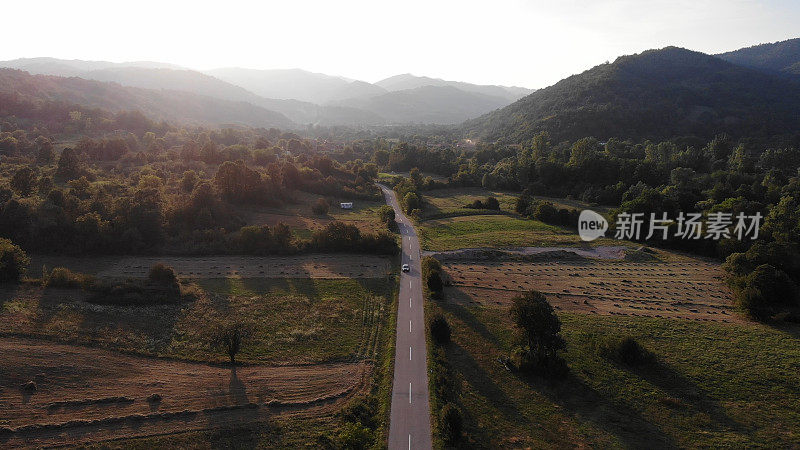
515,42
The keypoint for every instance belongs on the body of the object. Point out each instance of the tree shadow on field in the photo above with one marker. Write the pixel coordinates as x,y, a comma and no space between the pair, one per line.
235,428
585,404
236,389
679,387
469,319
485,384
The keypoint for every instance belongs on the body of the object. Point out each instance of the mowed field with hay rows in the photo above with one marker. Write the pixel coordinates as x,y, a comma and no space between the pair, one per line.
317,338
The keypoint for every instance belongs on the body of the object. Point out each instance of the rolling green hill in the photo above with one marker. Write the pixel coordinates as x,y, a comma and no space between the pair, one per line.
651,95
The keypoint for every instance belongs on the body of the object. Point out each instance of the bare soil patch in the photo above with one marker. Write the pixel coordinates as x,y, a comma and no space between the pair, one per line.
690,289
85,394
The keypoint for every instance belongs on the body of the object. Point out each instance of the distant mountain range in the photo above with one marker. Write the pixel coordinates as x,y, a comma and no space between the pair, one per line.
659,94
173,105
302,97
653,94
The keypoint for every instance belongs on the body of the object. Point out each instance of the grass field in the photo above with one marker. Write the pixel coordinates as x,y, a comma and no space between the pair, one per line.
293,320
447,225
493,231
712,385
441,203
303,221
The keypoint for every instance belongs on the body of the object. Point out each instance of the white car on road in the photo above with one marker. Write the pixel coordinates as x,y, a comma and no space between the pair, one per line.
406,268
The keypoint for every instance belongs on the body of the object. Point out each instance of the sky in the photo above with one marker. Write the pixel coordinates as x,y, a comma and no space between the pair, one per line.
510,42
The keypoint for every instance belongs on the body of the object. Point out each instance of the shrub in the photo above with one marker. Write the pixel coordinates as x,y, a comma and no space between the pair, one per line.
321,207
625,350
61,277
162,275
363,411
13,261
440,330
355,436
765,290
491,203
450,424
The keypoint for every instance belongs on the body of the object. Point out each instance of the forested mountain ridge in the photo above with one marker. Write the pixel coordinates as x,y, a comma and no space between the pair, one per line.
654,94
75,67
158,104
781,56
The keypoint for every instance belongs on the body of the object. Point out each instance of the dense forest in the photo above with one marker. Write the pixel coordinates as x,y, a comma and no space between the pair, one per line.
149,187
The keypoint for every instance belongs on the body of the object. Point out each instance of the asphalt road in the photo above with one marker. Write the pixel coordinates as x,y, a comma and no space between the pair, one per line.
410,419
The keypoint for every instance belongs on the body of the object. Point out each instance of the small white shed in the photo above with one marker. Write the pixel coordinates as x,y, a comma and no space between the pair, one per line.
346,205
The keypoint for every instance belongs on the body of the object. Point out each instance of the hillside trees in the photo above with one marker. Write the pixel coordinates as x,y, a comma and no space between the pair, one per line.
23,181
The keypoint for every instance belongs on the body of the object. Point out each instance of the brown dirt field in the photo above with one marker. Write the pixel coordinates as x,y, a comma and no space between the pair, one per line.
691,290
87,395
305,266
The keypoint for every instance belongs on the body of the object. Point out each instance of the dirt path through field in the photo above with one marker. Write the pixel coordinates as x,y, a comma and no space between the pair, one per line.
86,394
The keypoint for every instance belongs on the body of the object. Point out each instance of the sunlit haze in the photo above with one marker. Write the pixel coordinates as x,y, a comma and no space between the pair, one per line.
531,44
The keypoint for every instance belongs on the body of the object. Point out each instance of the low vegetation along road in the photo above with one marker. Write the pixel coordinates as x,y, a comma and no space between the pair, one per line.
410,423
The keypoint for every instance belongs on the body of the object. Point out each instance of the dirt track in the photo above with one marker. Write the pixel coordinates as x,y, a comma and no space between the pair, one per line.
692,290
86,394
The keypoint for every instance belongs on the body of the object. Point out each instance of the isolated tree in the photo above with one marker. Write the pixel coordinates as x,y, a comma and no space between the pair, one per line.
538,328
13,261
229,338
24,181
